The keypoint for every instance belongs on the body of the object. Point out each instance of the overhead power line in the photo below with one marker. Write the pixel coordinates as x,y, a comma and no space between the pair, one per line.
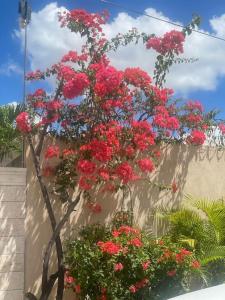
159,19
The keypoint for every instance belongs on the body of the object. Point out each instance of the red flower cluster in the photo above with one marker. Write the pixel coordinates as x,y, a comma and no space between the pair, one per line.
22,121
76,85
86,167
125,172
118,267
109,247
52,151
194,105
90,21
108,81
137,77
222,128
138,285
171,42
72,56
127,230
164,120
197,137
146,165
37,75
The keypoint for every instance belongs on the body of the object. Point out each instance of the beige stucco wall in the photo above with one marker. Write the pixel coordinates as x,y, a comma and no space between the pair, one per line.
199,171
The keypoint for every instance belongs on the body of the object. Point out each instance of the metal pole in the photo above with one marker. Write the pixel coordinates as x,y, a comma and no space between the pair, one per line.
24,88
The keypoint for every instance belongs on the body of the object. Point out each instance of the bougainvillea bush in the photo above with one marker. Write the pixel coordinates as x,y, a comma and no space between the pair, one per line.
111,122
125,263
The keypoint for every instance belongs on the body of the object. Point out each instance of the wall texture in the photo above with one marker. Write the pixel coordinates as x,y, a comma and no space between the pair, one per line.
12,217
198,171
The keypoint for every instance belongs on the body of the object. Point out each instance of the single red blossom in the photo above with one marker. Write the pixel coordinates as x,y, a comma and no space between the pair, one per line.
185,252
146,165
69,279
179,258
174,186
54,105
86,182
172,273
39,93
118,267
52,151
68,152
38,104
48,171
104,174
196,264
125,172
77,289
115,233
136,242
146,264
86,166
132,289
95,207
222,128
129,151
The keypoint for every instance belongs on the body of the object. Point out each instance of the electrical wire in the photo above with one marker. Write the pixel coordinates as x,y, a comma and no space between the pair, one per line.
159,19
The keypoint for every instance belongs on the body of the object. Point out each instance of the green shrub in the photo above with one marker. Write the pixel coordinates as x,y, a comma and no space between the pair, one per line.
126,263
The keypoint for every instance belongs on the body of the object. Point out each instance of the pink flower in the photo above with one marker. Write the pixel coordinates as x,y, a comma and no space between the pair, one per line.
118,267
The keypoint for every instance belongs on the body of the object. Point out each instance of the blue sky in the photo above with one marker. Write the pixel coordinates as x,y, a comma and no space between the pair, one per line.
11,59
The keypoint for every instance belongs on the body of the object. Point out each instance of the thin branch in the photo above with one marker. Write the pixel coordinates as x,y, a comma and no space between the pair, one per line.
56,233
52,218
43,133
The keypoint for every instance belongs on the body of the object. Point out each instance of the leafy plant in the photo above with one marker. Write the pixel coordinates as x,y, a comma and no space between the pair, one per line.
126,263
199,225
10,138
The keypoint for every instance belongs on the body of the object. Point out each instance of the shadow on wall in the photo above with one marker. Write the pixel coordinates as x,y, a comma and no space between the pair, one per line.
197,171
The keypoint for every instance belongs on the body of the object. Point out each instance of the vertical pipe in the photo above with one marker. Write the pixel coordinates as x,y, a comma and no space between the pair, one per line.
24,88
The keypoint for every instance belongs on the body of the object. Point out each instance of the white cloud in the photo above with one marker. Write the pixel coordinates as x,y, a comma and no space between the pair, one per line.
47,42
10,68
